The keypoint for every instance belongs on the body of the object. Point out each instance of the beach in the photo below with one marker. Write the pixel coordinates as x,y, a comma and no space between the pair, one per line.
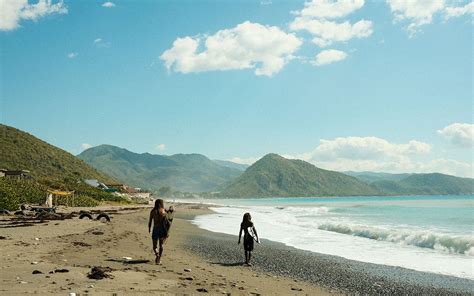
56,257
62,254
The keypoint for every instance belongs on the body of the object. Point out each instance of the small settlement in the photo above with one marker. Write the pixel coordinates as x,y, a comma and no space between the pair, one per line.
133,194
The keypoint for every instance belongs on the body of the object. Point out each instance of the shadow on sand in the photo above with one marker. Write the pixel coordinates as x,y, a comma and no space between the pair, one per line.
227,264
125,261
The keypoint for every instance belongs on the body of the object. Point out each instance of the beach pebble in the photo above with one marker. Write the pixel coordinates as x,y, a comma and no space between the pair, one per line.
34,262
296,289
187,269
37,239
23,282
90,286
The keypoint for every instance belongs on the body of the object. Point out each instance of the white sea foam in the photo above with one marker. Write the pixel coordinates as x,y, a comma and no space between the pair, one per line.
322,229
423,239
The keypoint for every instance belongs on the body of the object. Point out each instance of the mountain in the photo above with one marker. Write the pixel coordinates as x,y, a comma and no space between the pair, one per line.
232,165
22,151
50,168
275,176
426,184
183,172
370,177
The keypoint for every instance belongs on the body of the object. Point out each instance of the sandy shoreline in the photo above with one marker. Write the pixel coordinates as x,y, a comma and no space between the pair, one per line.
54,258
214,261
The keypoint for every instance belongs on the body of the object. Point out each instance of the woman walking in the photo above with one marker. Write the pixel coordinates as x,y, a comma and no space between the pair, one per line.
160,233
250,234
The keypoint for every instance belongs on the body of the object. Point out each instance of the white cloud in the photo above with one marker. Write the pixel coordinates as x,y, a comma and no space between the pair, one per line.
249,160
446,166
72,55
14,11
329,56
329,9
460,134
247,46
379,155
416,12
160,147
459,11
316,18
85,146
99,42
108,4
366,148
326,32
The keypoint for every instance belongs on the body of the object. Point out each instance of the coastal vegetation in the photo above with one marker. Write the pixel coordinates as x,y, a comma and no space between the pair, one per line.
49,168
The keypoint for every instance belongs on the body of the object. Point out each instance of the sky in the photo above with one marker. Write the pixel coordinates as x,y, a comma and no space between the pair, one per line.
346,85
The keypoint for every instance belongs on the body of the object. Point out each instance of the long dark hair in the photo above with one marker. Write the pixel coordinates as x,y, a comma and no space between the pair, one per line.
246,218
159,204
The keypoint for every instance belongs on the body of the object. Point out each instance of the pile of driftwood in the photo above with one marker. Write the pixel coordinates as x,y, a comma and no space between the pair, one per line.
31,215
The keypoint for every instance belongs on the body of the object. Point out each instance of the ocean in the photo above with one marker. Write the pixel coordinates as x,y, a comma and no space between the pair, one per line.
424,233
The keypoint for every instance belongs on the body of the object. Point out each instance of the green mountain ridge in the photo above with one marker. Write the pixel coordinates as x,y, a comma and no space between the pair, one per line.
275,176
22,151
232,165
426,184
50,168
183,172
370,177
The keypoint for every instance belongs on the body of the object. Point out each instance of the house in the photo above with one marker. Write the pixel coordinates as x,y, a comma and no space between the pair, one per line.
15,174
116,187
96,184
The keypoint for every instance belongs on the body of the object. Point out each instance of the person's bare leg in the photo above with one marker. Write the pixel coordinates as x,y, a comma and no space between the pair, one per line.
160,252
246,257
155,243
250,257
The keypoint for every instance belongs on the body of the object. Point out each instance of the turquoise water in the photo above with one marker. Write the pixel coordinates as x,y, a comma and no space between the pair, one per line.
428,233
450,213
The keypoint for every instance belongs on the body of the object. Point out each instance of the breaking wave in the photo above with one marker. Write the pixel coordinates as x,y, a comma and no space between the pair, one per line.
424,239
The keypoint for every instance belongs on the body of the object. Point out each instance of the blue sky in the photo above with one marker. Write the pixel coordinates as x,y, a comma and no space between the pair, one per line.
354,85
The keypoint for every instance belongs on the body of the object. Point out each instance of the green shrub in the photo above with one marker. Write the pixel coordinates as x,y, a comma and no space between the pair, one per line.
15,192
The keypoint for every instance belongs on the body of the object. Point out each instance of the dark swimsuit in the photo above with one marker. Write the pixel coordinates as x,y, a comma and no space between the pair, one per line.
159,230
248,239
